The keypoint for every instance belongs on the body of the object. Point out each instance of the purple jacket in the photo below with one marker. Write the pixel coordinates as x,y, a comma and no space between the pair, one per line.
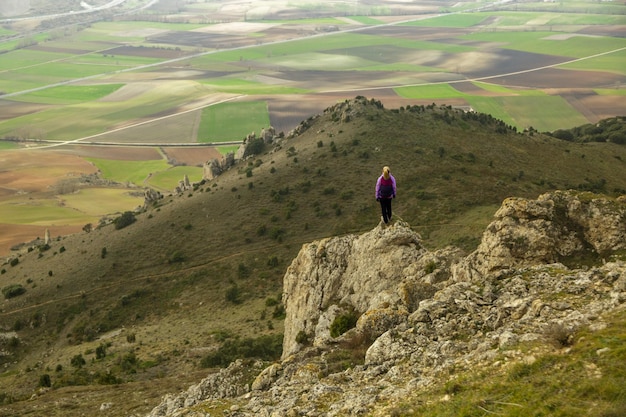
386,188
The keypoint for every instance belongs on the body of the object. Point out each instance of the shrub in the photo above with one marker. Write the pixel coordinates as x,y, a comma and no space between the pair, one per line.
103,253
126,219
271,302
342,323
101,352
302,338
268,348
13,290
430,267
78,361
233,294
176,257
14,262
44,381
279,312
272,262
558,335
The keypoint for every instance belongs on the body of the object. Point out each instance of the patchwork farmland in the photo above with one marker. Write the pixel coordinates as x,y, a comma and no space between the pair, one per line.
166,80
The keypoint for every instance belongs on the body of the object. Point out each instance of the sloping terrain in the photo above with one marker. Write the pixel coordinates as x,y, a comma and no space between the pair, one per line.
146,304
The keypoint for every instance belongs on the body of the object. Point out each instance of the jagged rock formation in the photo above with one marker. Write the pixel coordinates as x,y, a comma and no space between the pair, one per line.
151,197
426,313
214,168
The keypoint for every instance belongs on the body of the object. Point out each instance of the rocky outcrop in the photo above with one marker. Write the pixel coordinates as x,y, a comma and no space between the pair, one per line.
422,315
332,276
556,227
214,168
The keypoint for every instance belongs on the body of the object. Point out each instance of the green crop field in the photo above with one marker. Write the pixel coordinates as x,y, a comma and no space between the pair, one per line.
613,62
40,212
611,91
451,21
232,121
540,112
135,172
167,180
98,117
4,145
69,94
240,86
576,46
22,58
430,91
97,202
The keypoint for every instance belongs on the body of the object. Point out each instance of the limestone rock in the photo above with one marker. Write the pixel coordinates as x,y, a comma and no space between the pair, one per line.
361,272
554,227
426,314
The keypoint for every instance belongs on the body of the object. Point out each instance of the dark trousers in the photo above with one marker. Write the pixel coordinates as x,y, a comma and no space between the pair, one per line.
385,205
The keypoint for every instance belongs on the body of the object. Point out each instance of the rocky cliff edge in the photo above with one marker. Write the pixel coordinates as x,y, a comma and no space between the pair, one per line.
416,314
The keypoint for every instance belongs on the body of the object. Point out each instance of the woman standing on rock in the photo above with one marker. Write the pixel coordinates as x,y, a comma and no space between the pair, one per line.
385,192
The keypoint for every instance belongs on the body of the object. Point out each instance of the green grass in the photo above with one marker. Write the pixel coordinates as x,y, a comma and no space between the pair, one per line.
453,21
543,113
69,94
4,145
232,121
580,382
227,149
611,63
334,43
317,61
331,21
495,88
130,25
136,172
436,91
22,58
541,42
101,201
168,179
241,86
366,20
611,91
98,117
40,212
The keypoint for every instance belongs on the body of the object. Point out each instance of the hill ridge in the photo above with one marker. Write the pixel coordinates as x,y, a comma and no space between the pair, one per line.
452,169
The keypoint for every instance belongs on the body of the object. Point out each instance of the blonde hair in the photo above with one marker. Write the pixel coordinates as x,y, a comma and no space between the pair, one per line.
386,172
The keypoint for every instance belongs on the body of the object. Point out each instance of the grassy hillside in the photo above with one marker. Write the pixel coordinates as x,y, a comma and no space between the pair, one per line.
126,315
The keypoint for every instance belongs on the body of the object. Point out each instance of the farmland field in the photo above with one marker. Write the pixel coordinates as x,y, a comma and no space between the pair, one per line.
161,80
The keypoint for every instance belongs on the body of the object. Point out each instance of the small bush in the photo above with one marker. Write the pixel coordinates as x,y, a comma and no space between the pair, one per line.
101,352
126,219
342,323
279,312
13,290
266,348
559,335
176,257
233,294
44,381
302,338
78,361
430,267
271,302
14,262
